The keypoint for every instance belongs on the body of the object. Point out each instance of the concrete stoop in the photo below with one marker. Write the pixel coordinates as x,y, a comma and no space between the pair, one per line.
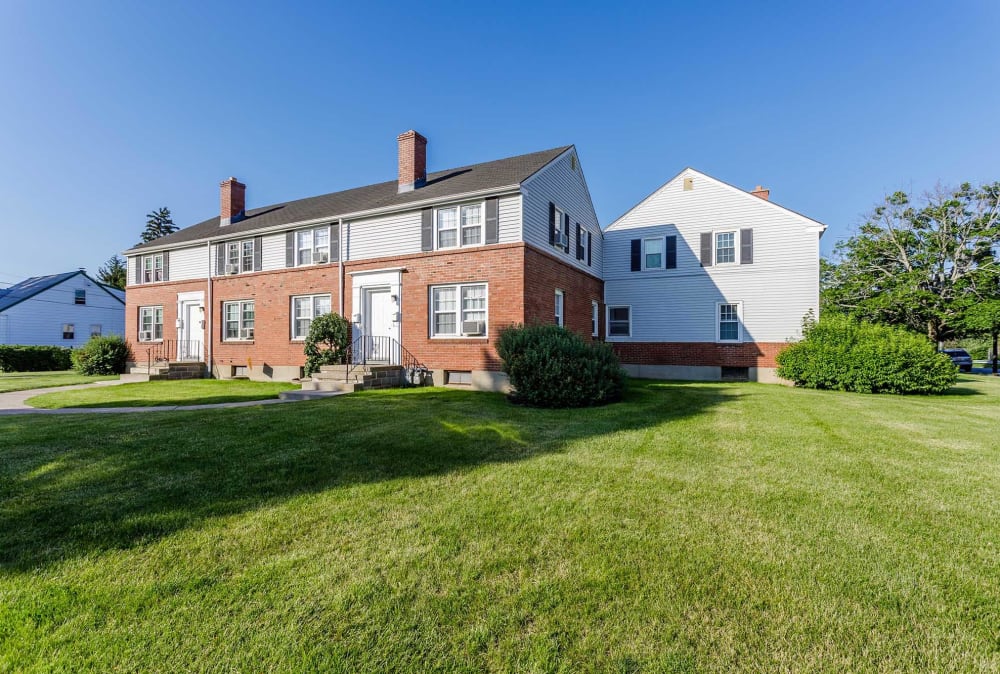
350,378
140,372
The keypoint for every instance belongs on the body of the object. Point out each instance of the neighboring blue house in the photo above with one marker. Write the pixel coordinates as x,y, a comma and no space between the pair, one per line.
60,310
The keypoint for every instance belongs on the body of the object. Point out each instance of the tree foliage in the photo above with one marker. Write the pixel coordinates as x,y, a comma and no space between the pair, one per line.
919,264
107,354
113,272
983,318
327,342
158,223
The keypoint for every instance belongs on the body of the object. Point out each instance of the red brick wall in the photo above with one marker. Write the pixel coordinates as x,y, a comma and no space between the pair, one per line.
154,294
751,354
543,274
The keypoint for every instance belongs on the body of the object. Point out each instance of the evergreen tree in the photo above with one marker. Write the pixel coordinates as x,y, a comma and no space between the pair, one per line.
158,223
113,272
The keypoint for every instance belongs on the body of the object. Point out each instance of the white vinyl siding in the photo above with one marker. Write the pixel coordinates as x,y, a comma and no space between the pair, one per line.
566,187
188,263
679,305
384,236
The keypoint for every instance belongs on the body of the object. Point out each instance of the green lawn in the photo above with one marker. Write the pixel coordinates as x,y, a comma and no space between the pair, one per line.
24,381
694,527
153,393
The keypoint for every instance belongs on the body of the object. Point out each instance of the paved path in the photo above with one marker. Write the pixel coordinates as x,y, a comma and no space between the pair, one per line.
13,403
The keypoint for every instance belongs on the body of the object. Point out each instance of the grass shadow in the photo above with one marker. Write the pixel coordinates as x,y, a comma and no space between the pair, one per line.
83,484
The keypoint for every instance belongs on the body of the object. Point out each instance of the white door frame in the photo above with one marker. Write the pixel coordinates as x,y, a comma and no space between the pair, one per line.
187,303
375,281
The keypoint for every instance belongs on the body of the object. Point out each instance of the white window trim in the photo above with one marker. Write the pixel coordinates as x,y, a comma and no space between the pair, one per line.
71,331
458,225
312,248
607,318
562,226
152,308
458,310
739,323
312,309
240,321
238,243
595,318
715,248
153,258
663,253
559,306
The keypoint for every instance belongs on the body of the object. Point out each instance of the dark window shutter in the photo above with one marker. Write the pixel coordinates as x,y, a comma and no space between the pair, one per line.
636,254
492,220
427,229
590,240
335,242
138,270
289,249
671,256
220,259
552,223
746,246
166,265
706,249
566,229
258,253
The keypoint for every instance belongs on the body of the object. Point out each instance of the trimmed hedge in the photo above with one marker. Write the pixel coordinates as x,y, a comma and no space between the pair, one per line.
102,355
17,358
841,354
550,366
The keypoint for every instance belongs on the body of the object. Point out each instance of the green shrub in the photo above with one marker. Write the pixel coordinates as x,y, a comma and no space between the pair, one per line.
845,355
550,366
327,341
102,355
17,358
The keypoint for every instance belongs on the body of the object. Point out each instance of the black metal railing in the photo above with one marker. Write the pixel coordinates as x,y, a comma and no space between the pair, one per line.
168,350
382,350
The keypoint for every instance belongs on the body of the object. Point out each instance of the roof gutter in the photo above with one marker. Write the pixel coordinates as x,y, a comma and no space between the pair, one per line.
385,210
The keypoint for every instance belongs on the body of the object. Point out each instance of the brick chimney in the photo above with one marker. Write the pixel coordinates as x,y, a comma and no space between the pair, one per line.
233,197
412,161
764,194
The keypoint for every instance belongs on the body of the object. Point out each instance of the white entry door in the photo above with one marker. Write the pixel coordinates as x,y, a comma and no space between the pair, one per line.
191,332
380,325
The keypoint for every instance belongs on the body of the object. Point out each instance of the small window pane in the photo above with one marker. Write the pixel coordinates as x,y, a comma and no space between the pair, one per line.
618,321
474,303
725,247
654,253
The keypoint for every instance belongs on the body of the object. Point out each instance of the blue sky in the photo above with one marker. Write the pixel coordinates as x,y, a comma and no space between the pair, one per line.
110,110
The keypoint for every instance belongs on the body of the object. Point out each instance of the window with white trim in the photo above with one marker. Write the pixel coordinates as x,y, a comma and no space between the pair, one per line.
69,331
238,321
729,322
459,310
595,309
152,267
725,247
150,324
561,234
239,256
619,321
304,309
652,253
560,307
312,246
459,226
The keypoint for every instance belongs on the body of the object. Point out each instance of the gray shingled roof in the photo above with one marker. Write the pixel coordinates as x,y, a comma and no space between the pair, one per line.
28,288
440,185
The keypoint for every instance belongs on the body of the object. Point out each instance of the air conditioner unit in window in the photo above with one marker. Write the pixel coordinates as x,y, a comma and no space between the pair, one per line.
473,327
145,336
562,239
322,258
232,269
246,333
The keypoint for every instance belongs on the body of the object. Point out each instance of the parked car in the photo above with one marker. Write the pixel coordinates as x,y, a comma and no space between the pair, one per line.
960,357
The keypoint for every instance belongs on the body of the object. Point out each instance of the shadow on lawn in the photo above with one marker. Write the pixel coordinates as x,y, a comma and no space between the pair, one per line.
77,485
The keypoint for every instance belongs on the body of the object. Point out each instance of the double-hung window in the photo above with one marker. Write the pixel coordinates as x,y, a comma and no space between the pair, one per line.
619,321
304,309
312,246
69,331
237,320
595,309
150,324
458,310
239,256
729,322
560,308
459,226
152,268
725,247
79,296
560,235
652,253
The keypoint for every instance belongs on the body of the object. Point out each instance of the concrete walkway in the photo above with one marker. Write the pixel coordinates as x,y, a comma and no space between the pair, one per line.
14,402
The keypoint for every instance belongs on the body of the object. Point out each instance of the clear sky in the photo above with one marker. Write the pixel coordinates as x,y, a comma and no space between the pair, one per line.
109,110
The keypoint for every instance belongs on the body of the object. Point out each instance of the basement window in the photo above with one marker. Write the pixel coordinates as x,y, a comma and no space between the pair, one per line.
463,378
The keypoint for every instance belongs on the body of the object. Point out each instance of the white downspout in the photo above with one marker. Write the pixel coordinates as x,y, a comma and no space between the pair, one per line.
340,263
208,313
